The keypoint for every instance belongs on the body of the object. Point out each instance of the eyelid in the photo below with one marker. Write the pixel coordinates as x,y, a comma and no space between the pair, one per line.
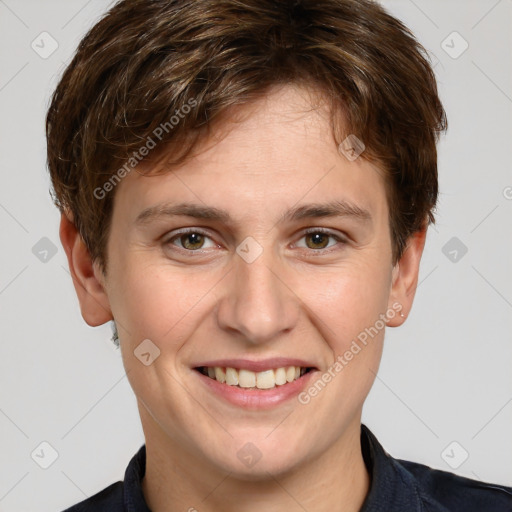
327,231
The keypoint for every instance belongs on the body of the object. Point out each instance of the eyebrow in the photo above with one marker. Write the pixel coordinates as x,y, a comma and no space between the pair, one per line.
341,208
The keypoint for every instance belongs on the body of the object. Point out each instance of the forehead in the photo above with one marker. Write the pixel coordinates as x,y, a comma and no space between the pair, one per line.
276,151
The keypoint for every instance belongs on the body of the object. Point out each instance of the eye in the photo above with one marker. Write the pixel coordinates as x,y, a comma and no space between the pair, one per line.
318,239
194,240
190,240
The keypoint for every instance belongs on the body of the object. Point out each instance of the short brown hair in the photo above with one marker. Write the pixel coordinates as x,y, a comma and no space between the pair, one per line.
145,59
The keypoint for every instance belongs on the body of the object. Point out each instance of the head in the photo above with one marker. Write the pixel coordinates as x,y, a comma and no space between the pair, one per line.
231,120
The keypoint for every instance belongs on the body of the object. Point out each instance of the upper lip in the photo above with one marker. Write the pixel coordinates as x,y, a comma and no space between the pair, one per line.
256,366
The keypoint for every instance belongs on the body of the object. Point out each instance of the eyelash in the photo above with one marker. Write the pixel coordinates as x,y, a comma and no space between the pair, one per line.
339,239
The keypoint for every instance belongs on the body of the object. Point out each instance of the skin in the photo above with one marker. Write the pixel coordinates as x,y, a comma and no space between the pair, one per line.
300,298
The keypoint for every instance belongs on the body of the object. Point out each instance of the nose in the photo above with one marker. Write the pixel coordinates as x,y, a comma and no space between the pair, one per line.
257,303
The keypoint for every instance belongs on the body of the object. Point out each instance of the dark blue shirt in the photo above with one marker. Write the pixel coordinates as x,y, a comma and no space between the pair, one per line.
396,486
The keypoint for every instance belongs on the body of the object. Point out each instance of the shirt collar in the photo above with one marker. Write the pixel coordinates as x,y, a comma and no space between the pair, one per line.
133,496
391,486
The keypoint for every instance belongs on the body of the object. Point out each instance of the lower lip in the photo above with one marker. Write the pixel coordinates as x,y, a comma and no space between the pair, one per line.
257,398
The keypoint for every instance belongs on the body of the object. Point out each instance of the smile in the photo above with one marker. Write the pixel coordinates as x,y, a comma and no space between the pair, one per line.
247,379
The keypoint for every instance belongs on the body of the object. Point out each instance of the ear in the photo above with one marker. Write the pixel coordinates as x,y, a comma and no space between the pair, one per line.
87,278
405,277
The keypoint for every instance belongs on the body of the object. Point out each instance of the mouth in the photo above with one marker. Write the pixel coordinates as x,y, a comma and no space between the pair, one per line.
247,379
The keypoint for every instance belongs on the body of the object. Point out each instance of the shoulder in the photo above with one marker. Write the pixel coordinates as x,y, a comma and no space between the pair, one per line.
109,499
454,492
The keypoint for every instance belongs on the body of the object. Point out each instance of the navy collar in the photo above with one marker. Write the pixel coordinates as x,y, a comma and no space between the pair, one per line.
132,493
392,487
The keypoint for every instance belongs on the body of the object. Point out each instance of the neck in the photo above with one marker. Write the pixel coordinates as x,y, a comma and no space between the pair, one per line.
178,480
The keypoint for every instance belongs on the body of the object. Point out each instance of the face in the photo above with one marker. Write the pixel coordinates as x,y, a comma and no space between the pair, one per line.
268,249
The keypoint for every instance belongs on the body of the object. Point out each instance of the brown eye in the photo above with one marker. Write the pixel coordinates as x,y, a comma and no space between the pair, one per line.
319,240
192,240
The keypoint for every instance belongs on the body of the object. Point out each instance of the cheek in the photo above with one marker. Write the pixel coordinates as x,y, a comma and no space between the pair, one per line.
346,302
160,302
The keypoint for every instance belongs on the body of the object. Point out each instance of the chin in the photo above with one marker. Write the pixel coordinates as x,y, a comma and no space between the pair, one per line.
254,460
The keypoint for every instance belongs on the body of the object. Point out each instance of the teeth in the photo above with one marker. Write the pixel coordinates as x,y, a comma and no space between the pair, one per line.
220,374
246,378
280,376
267,379
231,377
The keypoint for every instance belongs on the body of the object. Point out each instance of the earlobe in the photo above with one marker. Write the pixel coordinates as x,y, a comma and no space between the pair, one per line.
87,279
405,277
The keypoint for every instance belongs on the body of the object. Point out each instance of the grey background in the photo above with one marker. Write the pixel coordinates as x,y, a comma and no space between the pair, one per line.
445,375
